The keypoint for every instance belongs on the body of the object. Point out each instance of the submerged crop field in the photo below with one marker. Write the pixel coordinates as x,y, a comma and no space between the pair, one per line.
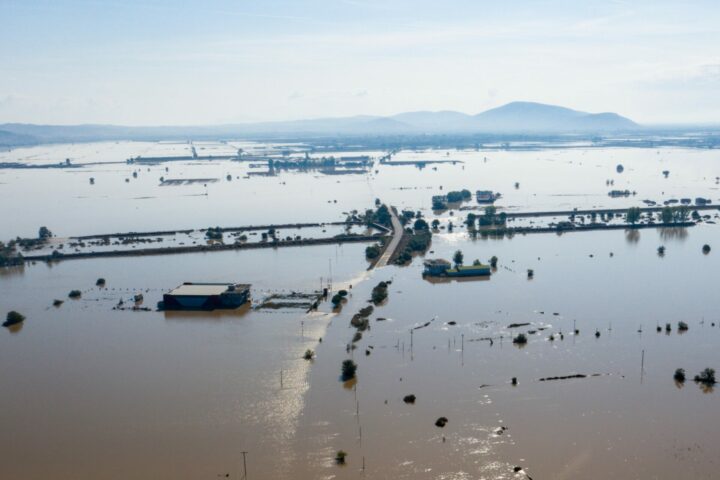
350,359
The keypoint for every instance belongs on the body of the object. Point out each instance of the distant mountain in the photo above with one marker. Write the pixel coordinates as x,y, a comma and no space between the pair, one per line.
538,117
10,139
515,117
443,121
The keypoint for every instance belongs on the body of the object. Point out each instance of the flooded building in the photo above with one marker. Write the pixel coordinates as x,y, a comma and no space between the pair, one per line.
486,196
206,296
443,268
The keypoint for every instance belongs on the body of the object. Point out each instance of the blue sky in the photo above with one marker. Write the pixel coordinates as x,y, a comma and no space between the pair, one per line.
189,62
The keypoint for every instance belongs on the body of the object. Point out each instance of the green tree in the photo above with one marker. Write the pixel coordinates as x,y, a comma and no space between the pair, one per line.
633,215
371,252
348,369
458,257
421,224
667,215
44,233
682,213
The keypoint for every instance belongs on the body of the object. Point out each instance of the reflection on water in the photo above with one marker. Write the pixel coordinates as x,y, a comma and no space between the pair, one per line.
122,394
673,233
210,316
632,235
583,427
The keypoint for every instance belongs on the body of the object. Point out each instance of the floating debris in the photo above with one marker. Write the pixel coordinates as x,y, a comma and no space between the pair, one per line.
518,325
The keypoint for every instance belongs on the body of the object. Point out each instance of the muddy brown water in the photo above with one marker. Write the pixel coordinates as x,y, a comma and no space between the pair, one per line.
623,423
91,392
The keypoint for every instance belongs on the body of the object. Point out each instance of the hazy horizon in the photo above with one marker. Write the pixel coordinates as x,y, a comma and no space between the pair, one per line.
220,62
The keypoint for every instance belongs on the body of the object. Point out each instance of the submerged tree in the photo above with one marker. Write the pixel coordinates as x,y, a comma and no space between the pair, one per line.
348,369
707,376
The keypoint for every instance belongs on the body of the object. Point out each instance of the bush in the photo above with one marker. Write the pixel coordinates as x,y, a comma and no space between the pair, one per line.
360,322
679,375
520,339
13,318
372,252
379,293
309,354
75,294
682,326
421,224
44,233
348,369
707,376
455,197
340,457
420,241
100,282
214,233
336,300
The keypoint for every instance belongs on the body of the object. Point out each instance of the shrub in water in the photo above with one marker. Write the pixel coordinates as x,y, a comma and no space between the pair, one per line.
707,376
348,369
13,318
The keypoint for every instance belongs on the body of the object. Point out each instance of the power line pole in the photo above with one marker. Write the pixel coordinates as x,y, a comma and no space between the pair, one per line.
244,466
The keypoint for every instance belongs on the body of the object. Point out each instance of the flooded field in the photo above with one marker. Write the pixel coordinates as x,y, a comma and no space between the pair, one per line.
630,421
118,201
93,391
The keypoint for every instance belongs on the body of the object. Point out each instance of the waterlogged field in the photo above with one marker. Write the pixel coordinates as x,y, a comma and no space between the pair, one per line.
548,179
90,391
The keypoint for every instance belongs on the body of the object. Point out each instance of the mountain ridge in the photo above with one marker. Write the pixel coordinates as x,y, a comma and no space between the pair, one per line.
514,117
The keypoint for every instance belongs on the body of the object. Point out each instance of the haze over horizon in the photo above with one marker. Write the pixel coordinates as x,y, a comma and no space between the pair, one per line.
219,62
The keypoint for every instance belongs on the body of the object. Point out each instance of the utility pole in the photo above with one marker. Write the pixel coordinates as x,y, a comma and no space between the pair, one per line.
244,465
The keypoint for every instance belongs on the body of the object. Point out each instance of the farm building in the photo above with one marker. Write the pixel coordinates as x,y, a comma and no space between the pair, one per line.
206,296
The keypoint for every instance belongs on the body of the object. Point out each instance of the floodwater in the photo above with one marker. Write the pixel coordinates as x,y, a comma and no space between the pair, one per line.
624,423
555,179
93,392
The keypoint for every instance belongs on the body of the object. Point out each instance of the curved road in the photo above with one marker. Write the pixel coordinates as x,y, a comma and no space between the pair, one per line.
394,242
